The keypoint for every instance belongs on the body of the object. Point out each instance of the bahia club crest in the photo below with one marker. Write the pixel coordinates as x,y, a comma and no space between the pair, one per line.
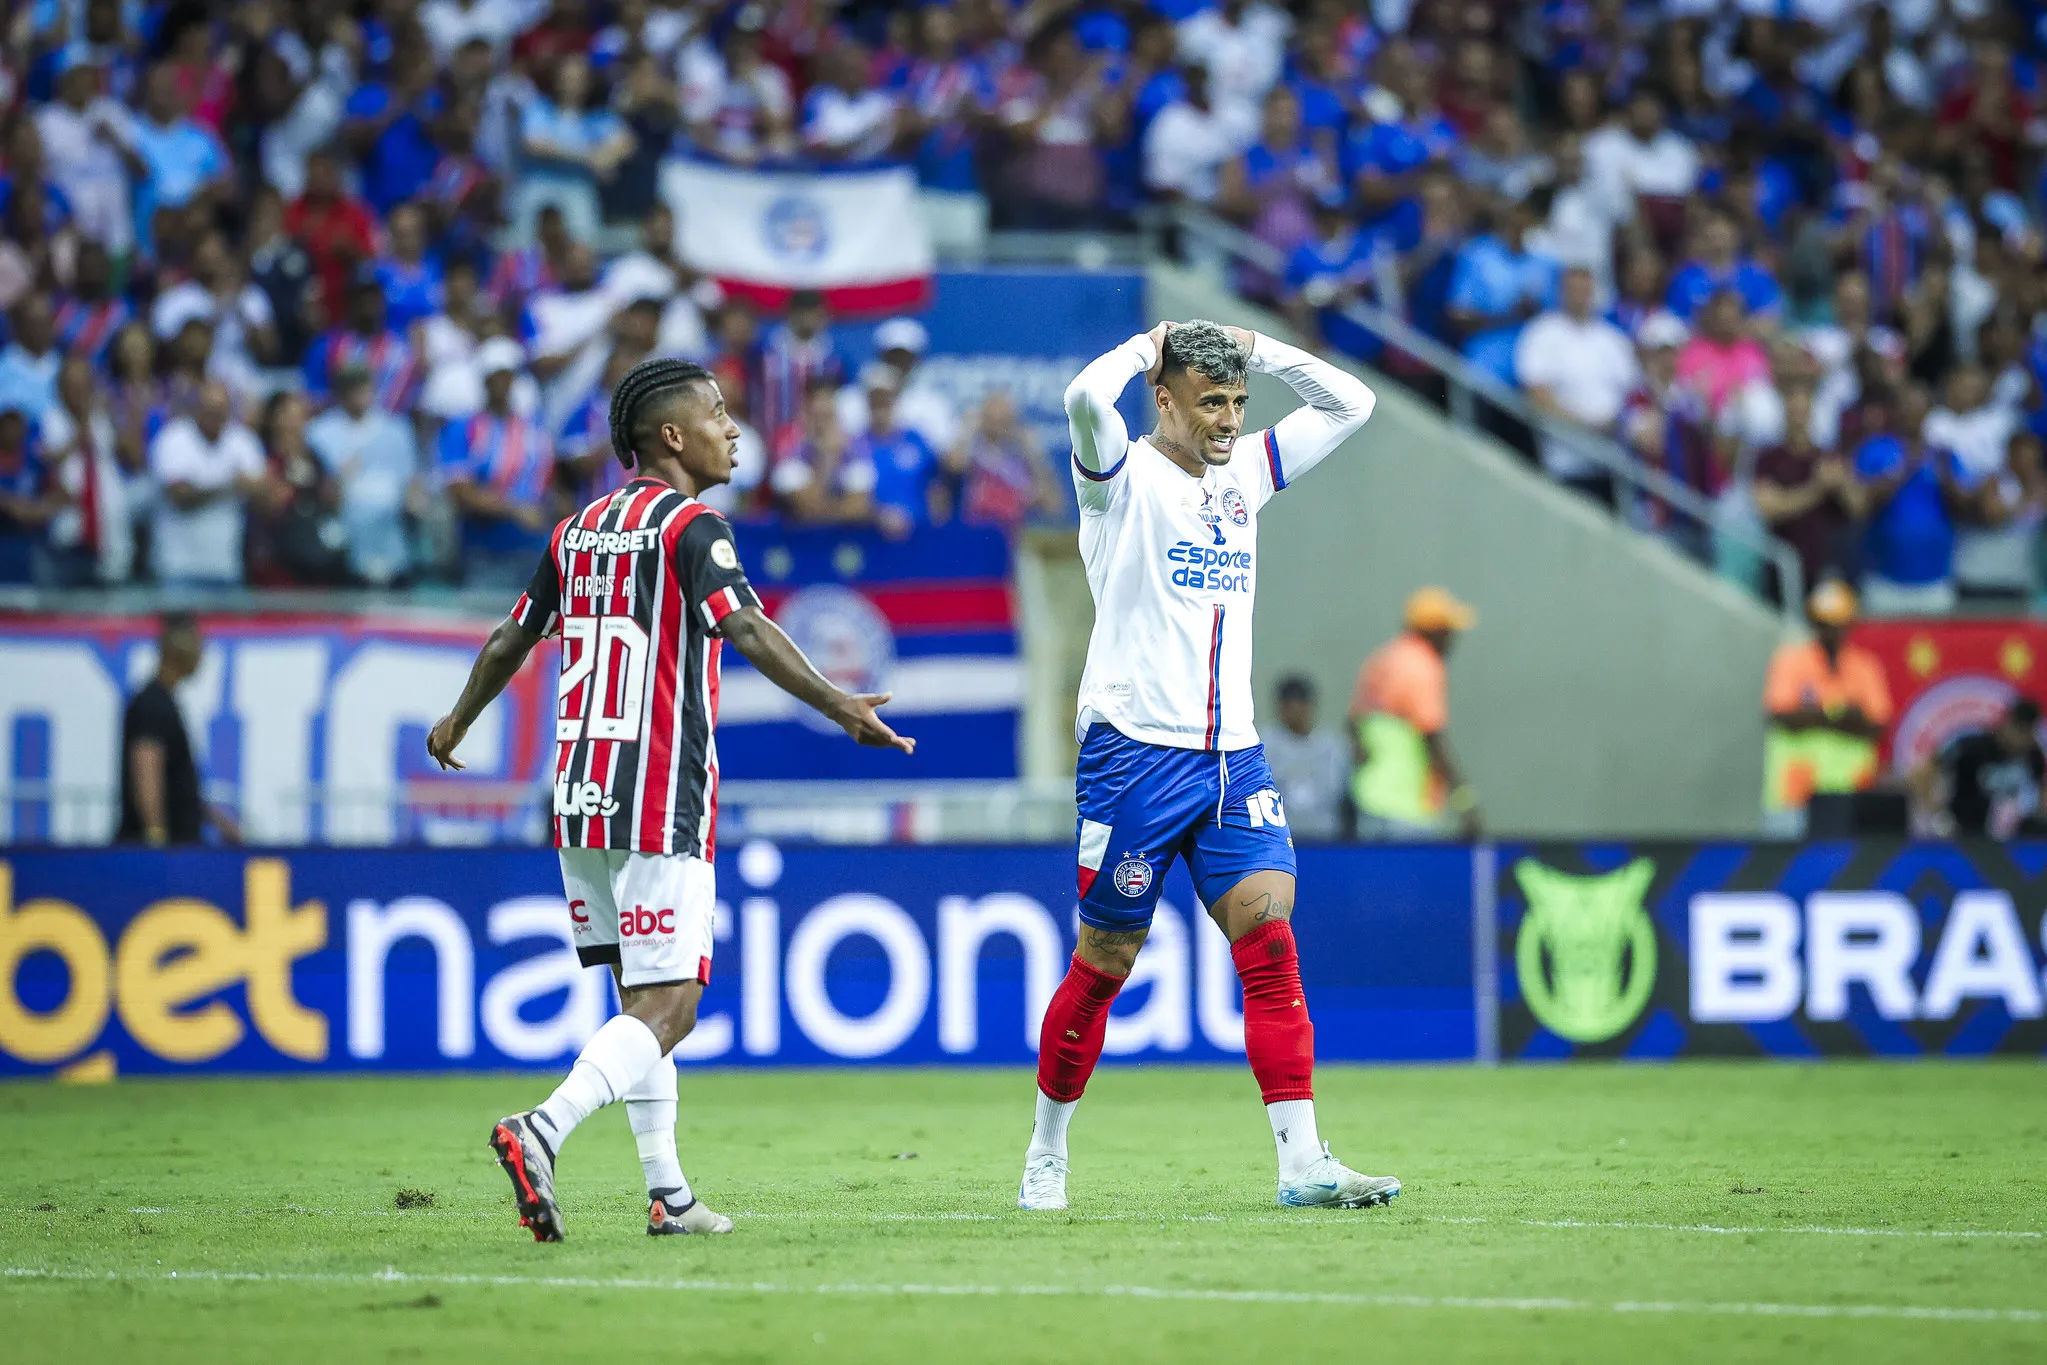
1586,952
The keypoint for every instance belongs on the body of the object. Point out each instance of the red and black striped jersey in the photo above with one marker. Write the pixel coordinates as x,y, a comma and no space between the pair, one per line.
636,584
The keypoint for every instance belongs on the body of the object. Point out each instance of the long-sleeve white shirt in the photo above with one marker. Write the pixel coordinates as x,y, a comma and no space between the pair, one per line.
1172,559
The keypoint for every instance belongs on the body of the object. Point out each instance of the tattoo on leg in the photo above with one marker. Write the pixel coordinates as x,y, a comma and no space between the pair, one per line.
1265,907
1109,942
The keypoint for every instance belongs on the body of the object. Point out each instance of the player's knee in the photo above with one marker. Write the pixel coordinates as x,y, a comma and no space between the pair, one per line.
670,1010
1111,952
1262,898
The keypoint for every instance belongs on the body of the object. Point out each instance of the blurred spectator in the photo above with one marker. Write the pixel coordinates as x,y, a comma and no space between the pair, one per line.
809,478
207,467
921,406
1720,360
91,538
1913,499
1499,283
1386,157
844,117
1809,497
372,460
388,125
1577,366
945,106
1987,783
1500,161
180,160
647,106
29,497
1406,778
295,538
219,294
87,154
91,313
1055,117
571,147
656,270
889,467
1241,47
1274,185
1717,267
283,270
1997,549
1309,766
28,367
367,341
1825,705
1638,163
1188,144
738,104
1975,429
337,231
497,467
410,279
794,355
1002,471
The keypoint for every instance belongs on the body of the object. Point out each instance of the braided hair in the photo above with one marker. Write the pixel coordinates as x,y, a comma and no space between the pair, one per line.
642,382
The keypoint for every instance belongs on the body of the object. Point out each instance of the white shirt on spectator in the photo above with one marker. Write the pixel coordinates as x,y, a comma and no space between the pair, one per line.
111,524
89,171
1242,59
202,544
232,321
1588,367
1185,150
1978,437
859,126
449,24
921,408
1620,167
1579,232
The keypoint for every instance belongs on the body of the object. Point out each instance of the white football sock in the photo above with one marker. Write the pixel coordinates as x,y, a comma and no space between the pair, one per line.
616,1056
1293,1133
650,1109
1048,1133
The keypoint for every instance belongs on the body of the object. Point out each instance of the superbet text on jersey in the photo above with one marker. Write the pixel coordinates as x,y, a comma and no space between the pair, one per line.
637,584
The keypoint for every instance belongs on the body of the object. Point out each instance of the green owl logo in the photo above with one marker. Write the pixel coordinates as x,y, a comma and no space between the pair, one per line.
1586,952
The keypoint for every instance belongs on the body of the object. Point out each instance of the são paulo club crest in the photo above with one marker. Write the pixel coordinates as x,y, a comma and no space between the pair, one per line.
1132,877
1234,508
845,635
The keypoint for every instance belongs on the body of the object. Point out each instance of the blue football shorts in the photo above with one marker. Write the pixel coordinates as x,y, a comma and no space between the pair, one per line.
1142,805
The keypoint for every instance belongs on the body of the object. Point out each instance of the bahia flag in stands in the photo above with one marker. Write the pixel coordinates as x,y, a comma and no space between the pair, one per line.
928,619
856,234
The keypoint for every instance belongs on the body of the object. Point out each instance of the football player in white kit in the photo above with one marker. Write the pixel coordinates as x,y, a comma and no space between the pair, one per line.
1170,765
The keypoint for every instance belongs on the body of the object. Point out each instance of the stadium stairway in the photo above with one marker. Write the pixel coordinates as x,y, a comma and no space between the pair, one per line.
1611,687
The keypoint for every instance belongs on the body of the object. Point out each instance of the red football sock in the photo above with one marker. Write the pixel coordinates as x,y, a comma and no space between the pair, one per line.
1279,1038
1076,1022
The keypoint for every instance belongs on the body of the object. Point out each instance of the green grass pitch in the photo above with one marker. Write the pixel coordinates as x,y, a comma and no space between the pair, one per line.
1853,1212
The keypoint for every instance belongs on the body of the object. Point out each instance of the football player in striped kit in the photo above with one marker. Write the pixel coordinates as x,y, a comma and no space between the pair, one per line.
645,588
1170,765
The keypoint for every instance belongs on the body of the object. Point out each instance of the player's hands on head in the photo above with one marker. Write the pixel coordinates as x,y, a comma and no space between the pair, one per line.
442,740
1244,336
855,714
1158,342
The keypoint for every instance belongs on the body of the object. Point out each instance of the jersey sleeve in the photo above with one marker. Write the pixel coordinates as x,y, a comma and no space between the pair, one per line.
1335,403
1101,442
538,609
707,566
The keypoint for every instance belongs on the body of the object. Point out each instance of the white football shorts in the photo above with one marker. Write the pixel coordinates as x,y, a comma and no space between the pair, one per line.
651,914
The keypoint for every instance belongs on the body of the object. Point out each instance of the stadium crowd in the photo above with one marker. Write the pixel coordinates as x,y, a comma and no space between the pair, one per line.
306,294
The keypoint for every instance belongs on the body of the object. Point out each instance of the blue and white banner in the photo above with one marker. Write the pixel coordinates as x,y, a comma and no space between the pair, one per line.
156,962
855,233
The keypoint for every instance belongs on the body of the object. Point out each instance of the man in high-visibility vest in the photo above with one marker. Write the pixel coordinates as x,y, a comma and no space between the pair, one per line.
1406,781
1827,705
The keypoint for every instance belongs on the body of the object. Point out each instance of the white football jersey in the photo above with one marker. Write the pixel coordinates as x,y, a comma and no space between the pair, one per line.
1172,560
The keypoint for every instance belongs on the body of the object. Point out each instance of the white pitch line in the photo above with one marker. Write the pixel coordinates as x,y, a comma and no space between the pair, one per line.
1305,1218
393,1276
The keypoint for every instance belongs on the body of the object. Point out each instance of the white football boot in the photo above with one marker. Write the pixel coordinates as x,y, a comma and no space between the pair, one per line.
1331,1184
668,1219
1044,1183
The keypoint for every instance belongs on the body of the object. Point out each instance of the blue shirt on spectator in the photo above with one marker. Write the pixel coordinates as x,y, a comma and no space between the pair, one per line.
1494,280
1911,538
510,454
402,159
182,159
903,465
580,131
1397,148
1696,282
22,475
411,292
